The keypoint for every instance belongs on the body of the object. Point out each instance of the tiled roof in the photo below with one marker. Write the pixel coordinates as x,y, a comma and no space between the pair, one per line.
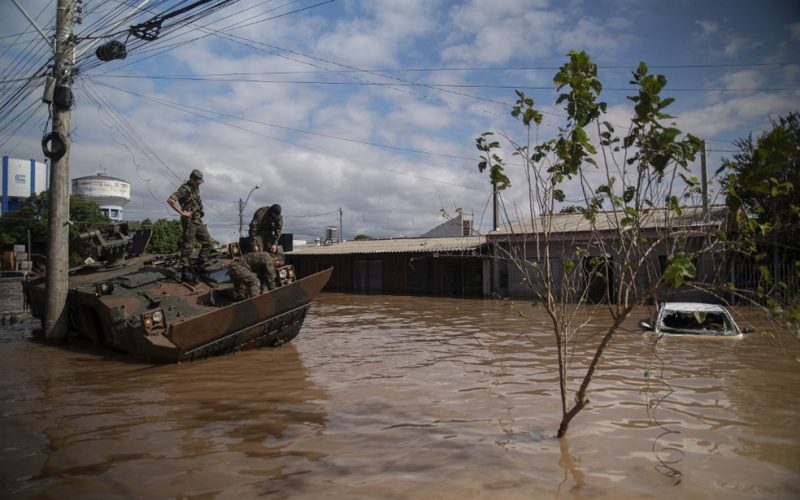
605,221
397,245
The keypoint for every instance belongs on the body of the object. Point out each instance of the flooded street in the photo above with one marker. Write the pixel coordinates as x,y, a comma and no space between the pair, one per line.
404,397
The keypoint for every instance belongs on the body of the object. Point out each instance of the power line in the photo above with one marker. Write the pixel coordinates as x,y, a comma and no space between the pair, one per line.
197,112
438,85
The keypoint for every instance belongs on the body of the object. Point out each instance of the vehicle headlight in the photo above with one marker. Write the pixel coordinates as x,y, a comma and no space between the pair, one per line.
155,320
282,274
105,288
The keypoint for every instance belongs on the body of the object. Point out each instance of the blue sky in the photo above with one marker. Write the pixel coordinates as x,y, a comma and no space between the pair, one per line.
373,106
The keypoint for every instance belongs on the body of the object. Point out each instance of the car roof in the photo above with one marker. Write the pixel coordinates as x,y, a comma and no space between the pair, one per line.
692,307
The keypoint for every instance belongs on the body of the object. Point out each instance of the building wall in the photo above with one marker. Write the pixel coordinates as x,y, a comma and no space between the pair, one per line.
517,278
453,228
19,179
399,274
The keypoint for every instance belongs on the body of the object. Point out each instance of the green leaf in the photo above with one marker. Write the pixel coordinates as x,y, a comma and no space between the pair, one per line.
679,268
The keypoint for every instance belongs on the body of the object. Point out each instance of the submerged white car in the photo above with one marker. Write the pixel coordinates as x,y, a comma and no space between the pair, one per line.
693,318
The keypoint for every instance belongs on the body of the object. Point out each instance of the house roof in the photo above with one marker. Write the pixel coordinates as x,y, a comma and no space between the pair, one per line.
397,245
606,221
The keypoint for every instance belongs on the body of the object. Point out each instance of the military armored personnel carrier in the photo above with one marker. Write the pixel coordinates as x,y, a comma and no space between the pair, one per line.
143,305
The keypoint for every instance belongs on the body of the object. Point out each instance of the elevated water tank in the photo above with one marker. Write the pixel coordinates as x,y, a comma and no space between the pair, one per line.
19,180
331,234
110,193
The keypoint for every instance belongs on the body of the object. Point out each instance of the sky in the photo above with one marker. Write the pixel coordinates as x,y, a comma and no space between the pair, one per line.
364,113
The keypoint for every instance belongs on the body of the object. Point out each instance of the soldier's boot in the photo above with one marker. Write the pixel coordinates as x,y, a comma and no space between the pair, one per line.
188,275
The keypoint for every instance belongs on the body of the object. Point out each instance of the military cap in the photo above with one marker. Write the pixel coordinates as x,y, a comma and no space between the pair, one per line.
196,174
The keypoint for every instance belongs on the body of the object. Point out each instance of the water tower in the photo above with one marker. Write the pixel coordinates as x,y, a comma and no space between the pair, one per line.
110,193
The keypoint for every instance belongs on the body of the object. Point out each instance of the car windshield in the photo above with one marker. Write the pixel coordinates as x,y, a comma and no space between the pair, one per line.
696,322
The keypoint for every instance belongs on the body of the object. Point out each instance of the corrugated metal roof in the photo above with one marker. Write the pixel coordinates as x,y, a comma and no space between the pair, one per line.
398,245
605,221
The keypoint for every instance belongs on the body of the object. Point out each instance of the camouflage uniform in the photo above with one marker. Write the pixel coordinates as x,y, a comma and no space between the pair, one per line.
193,227
265,230
250,273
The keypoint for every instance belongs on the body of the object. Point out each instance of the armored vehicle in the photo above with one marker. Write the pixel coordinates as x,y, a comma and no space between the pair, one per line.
146,306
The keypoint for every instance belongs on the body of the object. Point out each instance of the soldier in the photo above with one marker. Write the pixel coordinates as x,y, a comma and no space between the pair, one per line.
250,274
266,227
186,201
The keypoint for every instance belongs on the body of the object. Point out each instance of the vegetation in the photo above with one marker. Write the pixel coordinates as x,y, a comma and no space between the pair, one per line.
638,209
32,218
762,184
167,235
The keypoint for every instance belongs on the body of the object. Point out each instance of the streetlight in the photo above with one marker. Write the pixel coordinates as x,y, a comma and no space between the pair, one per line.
243,204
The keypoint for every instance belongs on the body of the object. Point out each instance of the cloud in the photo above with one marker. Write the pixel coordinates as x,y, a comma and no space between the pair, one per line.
794,29
745,79
378,33
508,29
391,156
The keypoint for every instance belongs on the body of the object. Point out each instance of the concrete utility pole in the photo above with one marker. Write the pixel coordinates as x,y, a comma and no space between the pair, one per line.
704,177
243,204
495,225
55,322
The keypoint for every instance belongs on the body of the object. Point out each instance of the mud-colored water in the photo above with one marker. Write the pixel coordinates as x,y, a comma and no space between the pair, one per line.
405,397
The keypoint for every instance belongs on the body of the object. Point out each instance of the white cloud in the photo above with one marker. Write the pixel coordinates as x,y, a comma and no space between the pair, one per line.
745,79
383,191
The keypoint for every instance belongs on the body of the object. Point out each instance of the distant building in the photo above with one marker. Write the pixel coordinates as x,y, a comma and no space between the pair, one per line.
456,227
20,179
454,266
110,193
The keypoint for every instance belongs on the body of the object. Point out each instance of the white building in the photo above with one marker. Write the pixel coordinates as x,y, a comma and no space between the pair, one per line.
110,193
457,227
20,179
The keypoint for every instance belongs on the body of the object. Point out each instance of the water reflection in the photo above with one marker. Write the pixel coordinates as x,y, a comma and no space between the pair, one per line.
406,397
93,422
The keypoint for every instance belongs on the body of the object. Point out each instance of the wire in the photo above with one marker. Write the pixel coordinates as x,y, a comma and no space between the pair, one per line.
438,86
190,110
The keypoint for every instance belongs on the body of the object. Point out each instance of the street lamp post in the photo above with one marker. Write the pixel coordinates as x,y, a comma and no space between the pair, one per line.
243,204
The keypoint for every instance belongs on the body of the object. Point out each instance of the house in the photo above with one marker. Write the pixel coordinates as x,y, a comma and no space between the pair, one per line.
460,225
452,266
518,247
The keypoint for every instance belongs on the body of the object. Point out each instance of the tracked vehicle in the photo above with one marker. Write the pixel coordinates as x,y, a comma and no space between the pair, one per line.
144,305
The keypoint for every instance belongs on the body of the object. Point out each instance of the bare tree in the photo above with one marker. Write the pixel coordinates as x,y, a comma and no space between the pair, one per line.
637,226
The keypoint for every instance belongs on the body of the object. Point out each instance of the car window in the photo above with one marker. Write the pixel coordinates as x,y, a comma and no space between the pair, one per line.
695,322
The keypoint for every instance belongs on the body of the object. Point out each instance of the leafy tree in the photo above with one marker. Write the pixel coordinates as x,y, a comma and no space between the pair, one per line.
637,199
32,216
360,237
167,235
763,178
762,183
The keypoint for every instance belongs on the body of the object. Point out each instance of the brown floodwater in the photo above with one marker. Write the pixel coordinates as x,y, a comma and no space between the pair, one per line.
405,397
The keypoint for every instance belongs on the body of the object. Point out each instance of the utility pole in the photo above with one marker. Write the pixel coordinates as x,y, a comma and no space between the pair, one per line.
704,177
495,225
243,204
55,322
341,234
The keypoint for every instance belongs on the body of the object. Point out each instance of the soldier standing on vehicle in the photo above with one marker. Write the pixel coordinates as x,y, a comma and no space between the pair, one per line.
186,201
266,227
250,274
